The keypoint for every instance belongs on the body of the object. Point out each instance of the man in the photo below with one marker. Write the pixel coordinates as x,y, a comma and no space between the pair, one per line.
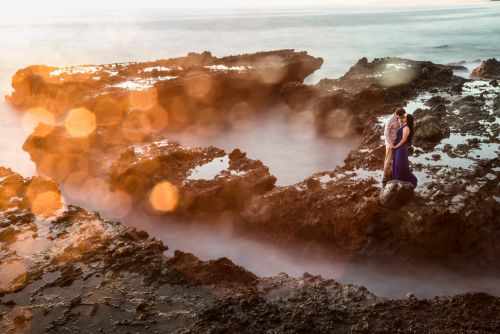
391,126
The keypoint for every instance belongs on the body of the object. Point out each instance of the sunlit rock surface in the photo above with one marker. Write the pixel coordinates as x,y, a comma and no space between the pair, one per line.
73,271
81,119
196,90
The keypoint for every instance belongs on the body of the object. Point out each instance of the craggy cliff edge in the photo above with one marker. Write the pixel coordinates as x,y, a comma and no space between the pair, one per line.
69,270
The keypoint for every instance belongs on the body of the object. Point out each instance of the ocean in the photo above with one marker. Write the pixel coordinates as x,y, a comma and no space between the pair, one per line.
339,35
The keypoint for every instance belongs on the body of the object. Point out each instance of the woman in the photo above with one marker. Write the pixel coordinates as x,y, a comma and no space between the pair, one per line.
401,166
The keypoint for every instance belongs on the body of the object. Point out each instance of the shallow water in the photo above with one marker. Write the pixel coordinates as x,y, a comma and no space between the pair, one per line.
209,170
283,141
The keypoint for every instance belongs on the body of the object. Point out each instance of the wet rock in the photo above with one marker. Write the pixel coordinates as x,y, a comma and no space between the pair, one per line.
7,234
489,69
427,131
336,209
208,181
436,100
336,213
183,293
395,194
470,102
367,89
364,317
221,272
496,103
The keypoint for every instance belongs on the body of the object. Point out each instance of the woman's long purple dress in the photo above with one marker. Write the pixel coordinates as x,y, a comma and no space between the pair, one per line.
401,166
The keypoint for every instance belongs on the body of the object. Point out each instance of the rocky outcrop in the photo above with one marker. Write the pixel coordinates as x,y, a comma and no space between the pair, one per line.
395,193
196,90
214,272
429,130
320,210
489,69
106,110
367,90
75,270
207,180
296,310
451,221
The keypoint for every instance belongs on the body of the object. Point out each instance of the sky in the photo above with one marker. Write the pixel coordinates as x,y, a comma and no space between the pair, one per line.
126,4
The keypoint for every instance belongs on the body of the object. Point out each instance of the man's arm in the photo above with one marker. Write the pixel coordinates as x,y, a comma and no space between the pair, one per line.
387,127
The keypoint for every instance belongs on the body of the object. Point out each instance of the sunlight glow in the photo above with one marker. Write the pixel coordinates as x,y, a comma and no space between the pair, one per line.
39,119
80,122
164,197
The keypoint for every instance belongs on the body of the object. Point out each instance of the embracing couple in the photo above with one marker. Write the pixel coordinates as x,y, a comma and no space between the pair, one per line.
398,132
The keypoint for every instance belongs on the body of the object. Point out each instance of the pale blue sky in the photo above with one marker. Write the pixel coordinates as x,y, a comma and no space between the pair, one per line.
49,5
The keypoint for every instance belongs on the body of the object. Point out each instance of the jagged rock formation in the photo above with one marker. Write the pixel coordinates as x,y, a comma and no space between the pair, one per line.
208,180
108,109
489,69
196,90
367,90
455,156
395,193
452,219
72,271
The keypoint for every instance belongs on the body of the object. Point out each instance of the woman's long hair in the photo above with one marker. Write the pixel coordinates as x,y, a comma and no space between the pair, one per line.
409,123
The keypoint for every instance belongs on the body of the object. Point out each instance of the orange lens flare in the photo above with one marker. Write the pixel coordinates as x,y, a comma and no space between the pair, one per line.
164,197
43,198
80,122
46,204
137,125
39,120
119,204
198,84
144,99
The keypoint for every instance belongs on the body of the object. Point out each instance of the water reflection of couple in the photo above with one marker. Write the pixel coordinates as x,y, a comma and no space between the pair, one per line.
398,132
